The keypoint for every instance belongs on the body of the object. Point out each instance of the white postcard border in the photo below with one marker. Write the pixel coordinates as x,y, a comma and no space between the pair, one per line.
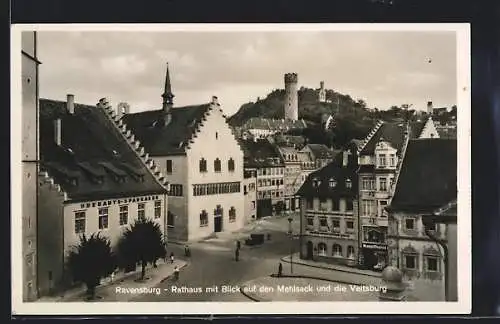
463,306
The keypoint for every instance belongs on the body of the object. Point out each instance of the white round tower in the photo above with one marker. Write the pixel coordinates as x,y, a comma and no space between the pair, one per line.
291,97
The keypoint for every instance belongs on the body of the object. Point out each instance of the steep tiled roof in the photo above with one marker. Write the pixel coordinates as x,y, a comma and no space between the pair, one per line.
94,160
290,140
392,133
336,171
428,178
161,140
260,153
321,151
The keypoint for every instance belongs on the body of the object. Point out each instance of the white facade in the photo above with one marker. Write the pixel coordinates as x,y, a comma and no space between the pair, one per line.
192,209
322,92
103,216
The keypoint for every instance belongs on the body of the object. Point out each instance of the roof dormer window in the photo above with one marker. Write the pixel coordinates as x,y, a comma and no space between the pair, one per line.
316,182
332,183
348,183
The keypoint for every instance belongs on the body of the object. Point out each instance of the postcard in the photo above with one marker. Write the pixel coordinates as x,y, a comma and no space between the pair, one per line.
241,169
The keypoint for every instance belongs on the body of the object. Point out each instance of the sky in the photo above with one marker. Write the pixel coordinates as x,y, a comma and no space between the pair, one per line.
383,68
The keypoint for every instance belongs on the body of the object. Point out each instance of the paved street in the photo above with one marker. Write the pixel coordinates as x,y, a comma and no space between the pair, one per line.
212,264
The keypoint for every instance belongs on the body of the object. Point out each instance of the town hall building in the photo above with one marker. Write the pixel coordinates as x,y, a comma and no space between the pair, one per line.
196,149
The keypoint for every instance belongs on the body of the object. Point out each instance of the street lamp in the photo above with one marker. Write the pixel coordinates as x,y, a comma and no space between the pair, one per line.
290,232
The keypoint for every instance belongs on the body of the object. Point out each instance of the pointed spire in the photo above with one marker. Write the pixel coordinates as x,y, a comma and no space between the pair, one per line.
167,95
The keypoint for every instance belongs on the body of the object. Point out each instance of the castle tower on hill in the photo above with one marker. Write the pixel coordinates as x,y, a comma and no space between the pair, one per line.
291,97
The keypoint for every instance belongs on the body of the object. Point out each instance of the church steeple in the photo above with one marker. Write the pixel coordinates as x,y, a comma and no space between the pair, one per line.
168,96
168,100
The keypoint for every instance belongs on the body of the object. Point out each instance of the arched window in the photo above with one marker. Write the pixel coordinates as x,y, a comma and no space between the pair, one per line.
230,164
203,165
217,165
332,183
337,250
351,252
322,249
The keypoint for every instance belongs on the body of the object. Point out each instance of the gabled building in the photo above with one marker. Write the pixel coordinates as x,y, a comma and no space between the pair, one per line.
379,156
198,151
426,186
320,154
94,178
328,218
264,156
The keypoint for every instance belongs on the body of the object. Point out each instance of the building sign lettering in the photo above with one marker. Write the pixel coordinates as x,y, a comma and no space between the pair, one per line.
110,202
374,246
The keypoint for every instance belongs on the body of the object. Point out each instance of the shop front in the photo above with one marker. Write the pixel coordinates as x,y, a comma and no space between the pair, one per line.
373,256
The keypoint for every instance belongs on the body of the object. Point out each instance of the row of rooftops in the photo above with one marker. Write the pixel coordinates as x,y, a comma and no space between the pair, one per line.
427,177
273,125
92,153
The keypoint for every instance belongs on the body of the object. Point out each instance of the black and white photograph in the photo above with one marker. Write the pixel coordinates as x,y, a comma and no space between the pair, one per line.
222,165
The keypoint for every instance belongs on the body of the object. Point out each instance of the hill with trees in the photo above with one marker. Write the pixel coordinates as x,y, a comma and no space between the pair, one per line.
353,119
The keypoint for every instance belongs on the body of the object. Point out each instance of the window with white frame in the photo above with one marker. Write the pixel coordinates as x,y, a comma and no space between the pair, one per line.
383,184
323,222
157,208
410,224
141,210
321,249
310,222
337,250
410,261
123,215
392,159
351,253
432,263
103,217
80,222
382,160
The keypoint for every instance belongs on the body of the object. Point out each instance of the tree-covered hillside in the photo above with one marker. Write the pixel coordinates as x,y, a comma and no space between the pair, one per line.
310,109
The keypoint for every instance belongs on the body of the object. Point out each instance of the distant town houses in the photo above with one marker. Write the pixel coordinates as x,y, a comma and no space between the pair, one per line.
426,186
264,157
378,159
328,218
263,127
94,178
206,181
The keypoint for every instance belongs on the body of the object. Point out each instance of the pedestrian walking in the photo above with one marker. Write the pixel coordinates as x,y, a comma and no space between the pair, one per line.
187,251
176,273
237,255
280,270
238,245
172,257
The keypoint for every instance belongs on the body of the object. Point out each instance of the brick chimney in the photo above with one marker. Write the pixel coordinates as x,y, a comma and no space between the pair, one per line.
58,131
70,103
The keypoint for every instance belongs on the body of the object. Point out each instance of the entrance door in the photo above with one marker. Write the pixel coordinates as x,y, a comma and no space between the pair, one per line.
218,213
370,258
309,250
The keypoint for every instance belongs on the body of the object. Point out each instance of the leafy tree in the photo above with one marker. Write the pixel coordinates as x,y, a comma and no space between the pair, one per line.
91,260
143,243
